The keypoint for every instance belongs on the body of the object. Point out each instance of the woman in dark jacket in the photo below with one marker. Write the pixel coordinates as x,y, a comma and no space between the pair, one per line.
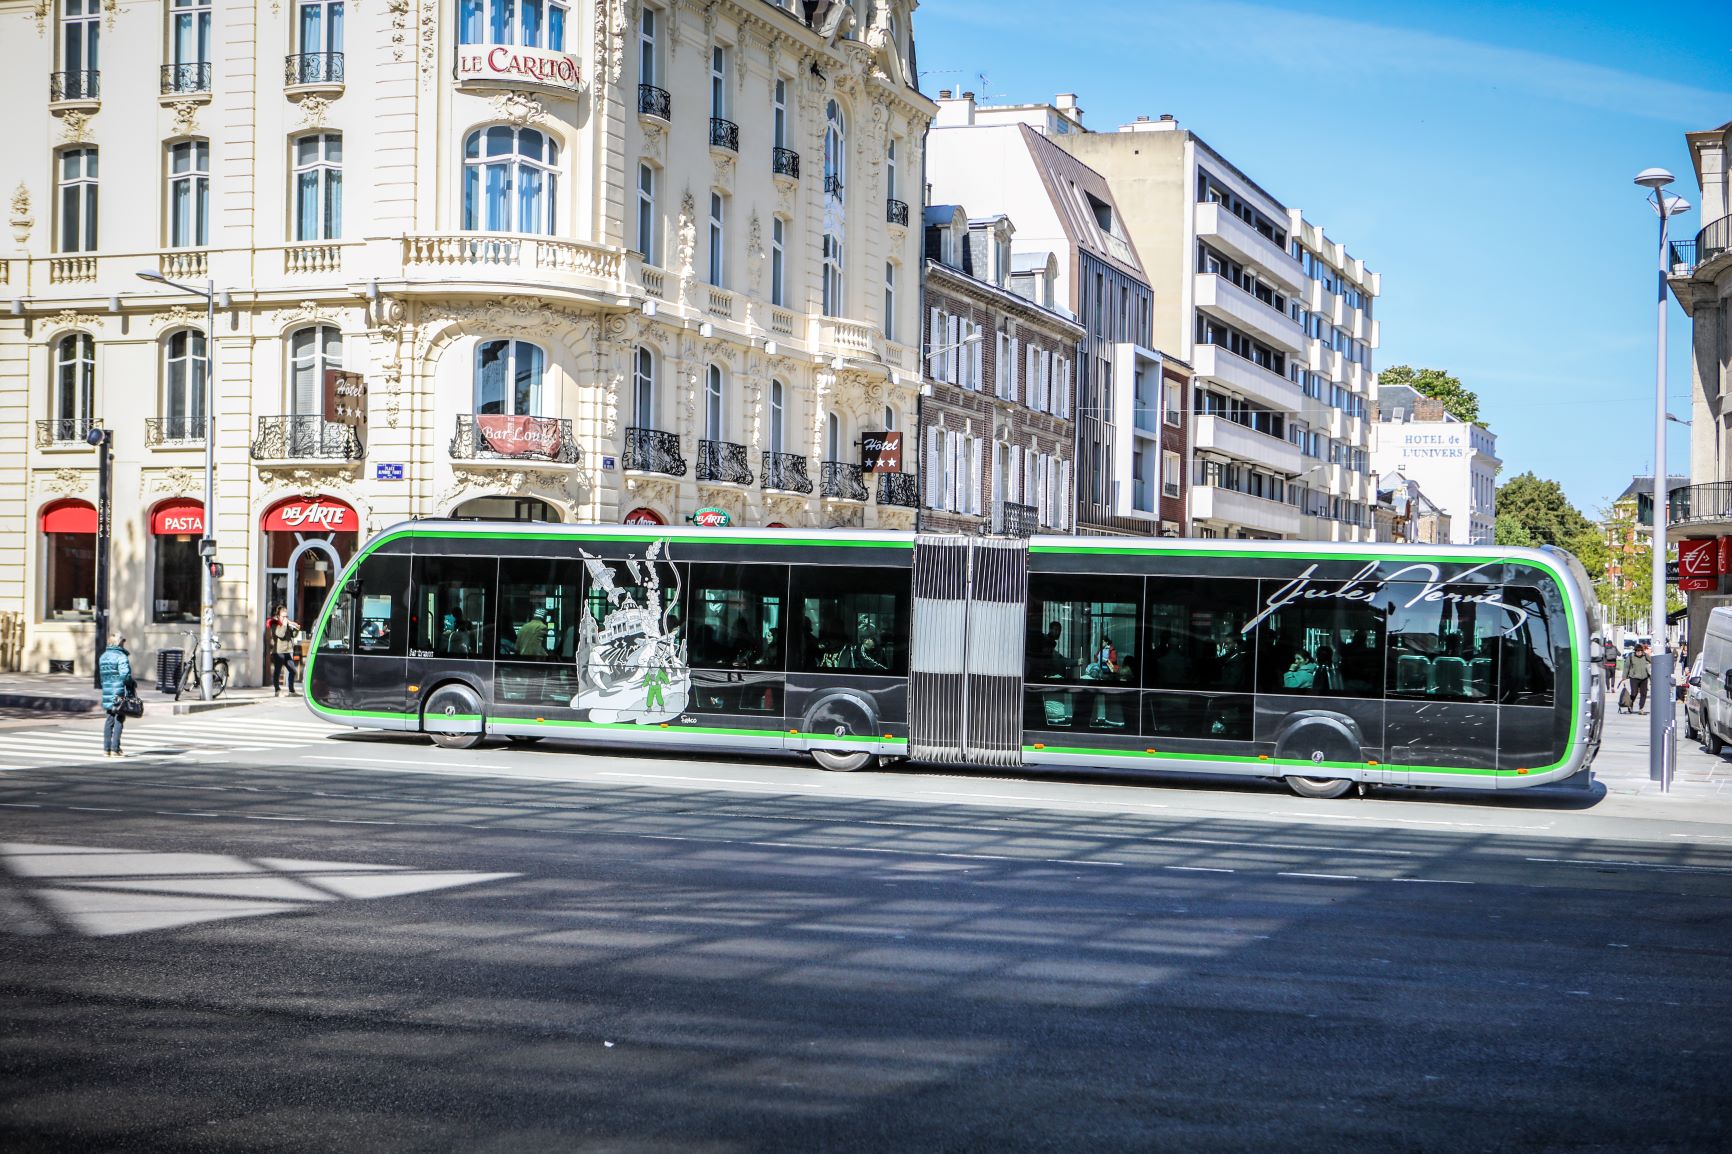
115,668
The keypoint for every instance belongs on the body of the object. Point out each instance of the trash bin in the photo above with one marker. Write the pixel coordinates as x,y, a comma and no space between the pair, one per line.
168,671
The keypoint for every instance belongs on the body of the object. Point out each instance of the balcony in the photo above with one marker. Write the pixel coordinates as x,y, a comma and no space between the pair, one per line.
900,489
896,212
1013,519
64,432
185,264
723,461
190,79
173,432
304,437
833,185
785,162
1226,300
1704,509
786,473
1258,514
1714,240
1232,439
304,70
71,269
719,302
653,451
313,258
511,259
724,134
654,103
842,481
73,88
498,437
1222,229
1257,383
849,337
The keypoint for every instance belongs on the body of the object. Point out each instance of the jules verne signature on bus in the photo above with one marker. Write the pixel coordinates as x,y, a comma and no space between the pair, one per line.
1363,588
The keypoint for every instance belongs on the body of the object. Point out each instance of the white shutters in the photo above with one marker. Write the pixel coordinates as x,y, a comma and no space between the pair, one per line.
1064,388
933,468
934,340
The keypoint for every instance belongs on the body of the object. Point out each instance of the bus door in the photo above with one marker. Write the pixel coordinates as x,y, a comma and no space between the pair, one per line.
965,671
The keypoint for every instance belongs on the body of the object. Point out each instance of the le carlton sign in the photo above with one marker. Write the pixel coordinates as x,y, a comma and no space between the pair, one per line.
509,64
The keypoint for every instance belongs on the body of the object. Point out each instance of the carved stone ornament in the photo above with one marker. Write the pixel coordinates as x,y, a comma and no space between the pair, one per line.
41,13
686,246
305,311
110,9
70,318
75,127
653,491
784,198
519,108
179,315
840,516
710,20
185,117
178,482
756,257
724,497
429,41
515,481
22,221
65,482
673,23
307,480
399,10
655,144
723,176
788,508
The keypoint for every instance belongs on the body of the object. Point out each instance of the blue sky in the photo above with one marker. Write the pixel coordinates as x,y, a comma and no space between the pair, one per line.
1479,155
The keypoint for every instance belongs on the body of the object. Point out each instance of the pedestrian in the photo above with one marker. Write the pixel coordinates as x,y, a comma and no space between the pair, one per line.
1639,670
280,635
114,668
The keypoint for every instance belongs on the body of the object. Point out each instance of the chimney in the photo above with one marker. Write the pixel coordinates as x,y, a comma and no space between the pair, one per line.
944,94
954,111
1066,103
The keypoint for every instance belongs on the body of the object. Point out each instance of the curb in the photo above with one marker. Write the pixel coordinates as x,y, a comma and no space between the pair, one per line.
184,707
47,704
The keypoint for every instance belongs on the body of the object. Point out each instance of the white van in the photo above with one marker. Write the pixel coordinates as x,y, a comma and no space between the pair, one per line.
1713,678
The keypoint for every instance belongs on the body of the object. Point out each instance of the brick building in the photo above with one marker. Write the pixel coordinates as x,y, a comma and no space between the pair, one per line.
997,442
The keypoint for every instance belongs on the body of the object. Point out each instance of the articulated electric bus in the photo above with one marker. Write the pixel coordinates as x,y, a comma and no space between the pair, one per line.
1322,665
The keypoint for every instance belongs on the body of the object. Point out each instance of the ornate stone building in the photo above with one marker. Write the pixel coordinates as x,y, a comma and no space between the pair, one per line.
594,260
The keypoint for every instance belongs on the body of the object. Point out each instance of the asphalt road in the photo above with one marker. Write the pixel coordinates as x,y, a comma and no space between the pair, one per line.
369,944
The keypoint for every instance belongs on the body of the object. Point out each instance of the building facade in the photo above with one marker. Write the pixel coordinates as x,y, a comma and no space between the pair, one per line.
1274,317
1006,157
997,440
596,261
1455,462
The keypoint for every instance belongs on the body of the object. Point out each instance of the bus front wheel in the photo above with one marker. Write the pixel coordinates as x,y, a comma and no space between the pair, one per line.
1324,787
837,762
458,704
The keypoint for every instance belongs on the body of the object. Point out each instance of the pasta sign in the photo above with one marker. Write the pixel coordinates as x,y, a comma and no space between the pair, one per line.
513,65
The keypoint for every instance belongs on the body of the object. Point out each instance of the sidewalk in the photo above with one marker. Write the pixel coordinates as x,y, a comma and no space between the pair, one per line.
1622,766
75,694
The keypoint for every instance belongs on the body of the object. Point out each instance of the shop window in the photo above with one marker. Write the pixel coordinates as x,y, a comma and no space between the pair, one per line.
837,626
69,561
453,602
175,579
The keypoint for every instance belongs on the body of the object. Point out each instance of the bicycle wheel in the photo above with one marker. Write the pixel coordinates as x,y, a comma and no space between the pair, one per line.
219,677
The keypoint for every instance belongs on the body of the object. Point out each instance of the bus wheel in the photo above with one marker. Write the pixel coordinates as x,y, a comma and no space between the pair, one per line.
523,738
837,762
1318,786
454,702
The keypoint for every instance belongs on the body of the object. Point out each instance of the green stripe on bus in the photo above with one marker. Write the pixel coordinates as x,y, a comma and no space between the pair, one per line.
1242,759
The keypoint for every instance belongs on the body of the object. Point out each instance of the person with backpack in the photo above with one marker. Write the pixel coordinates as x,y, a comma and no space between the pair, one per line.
280,634
114,668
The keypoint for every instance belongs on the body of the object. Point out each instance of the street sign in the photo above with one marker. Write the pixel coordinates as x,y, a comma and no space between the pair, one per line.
610,463
384,472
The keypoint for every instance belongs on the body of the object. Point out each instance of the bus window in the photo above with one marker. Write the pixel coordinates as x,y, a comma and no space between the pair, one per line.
453,597
381,592
539,609
1529,665
847,618
1322,644
738,616
1443,650
1196,634
1083,629
339,635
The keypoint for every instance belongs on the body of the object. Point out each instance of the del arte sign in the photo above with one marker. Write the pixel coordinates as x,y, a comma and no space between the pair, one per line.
318,515
514,65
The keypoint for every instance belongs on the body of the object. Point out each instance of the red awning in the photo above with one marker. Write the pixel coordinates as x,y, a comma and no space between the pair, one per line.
69,517
643,516
181,517
314,515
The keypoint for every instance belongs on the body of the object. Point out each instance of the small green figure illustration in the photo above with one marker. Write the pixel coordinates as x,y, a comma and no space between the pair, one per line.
655,681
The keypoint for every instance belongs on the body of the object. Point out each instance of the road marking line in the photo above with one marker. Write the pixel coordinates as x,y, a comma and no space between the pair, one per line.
1434,881
93,809
706,780
1326,877
20,805
269,817
183,813
1200,869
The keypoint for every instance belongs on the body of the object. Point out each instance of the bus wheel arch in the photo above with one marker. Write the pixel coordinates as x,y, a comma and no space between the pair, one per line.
841,714
458,701
1319,736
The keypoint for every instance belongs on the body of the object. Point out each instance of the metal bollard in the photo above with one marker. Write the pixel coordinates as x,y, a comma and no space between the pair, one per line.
1668,756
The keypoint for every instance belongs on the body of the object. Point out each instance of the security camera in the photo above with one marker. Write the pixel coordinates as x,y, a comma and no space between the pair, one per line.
94,437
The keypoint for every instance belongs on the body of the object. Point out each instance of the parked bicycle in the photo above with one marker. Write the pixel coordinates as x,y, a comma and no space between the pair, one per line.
189,667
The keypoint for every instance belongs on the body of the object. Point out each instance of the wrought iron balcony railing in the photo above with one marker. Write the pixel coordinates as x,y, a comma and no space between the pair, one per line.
74,86
1707,502
723,461
653,101
190,77
901,489
785,162
653,451
833,185
63,431
1011,519
786,473
724,134
497,437
842,481
313,68
896,212
304,436
1714,239
182,430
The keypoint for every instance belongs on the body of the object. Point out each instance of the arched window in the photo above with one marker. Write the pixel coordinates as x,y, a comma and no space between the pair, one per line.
833,438
714,414
189,194
74,385
530,23
835,150
778,414
643,390
312,350
510,180
183,368
508,378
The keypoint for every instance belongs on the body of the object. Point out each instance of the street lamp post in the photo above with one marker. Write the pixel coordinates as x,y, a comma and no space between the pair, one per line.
1665,207
207,543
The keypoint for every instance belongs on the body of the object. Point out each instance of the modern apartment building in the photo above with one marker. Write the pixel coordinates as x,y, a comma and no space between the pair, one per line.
1275,318
1455,462
996,435
1006,157
594,260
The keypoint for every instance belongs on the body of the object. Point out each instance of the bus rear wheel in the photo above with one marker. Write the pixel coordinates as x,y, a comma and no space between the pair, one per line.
456,703
1324,787
838,762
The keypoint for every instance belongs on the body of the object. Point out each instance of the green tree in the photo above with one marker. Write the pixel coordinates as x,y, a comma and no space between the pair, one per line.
1513,533
1623,596
1541,508
1459,401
